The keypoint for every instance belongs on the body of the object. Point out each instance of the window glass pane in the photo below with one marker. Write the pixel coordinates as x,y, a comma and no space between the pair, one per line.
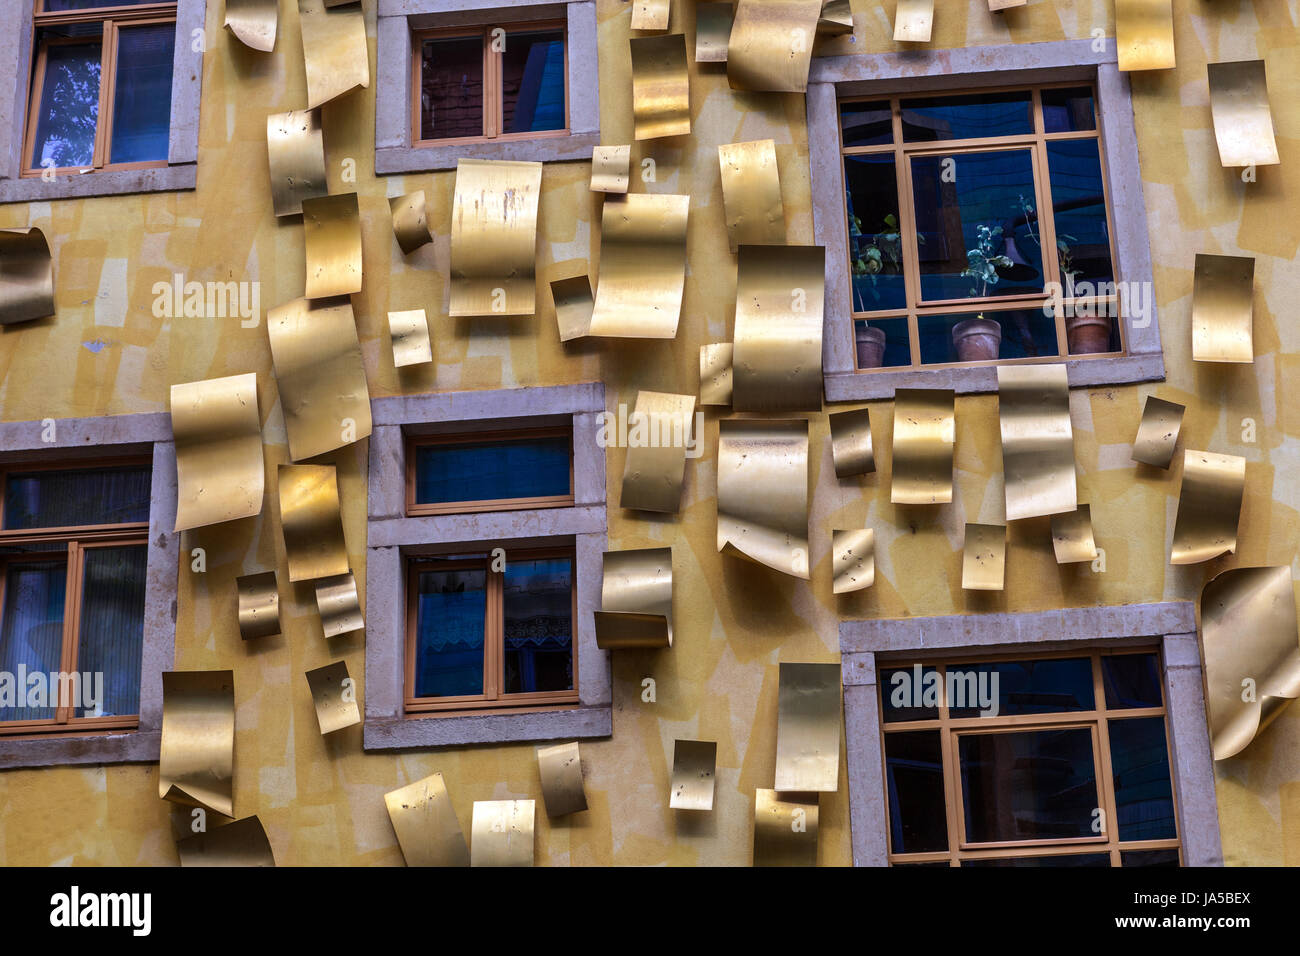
1068,111
902,693
976,214
492,470
142,99
67,497
866,124
1031,687
967,117
54,6
532,82
538,598
1031,785
1019,333
1149,858
918,820
31,630
1079,211
451,88
1131,680
111,630
875,242
1143,795
882,343
449,629
69,105
1069,859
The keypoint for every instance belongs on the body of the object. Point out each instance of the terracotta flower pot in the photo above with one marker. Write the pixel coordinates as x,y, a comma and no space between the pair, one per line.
871,346
1087,334
977,340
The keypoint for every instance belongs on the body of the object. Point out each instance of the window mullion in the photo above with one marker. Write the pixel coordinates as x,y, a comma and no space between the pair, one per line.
107,71
494,640
71,614
491,89
1106,778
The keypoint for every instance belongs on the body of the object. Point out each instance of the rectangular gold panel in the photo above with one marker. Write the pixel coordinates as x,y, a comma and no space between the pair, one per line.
763,493
1072,538
494,237
1223,309
836,18
659,429
196,763
331,229
853,560
996,6
610,168
503,833
309,519
1209,506
339,605
751,194
426,825
1037,440
777,361
259,605
574,305
410,221
220,475
334,694
851,448
808,728
771,45
642,267
1243,122
295,152
1144,34
334,51
253,22
650,14
694,774
785,828
560,768
26,276
715,374
712,31
924,437
1158,432
913,21
242,843
984,557
661,87
636,599
409,333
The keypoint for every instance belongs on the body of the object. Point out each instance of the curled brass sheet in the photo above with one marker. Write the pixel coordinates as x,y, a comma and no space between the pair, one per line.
1072,538
763,493
331,231
1158,432
695,764
650,14
334,51
242,843
1144,34
319,374
253,22
661,87
560,768
220,475
777,360
998,5
659,430
851,447
785,828
409,333
339,605
574,305
1037,440
1252,653
334,694
984,557
925,421
913,21
771,44
1209,506
751,194
642,267
853,559
410,221
259,605
712,31
1243,122
295,152
503,833
715,374
196,763
836,18
26,275
310,521
426,825
636,599
610,168
808,728
1223,309
494,237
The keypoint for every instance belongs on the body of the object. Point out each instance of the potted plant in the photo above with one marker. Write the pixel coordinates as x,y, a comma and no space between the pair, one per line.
1086,332
980,339
870,342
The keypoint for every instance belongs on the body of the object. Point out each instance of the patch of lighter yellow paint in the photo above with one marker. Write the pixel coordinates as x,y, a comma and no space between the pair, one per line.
110,299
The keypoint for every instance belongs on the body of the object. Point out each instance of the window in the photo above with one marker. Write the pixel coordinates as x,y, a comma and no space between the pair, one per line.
506,472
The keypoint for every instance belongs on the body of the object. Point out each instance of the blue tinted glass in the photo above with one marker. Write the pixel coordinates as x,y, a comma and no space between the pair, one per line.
1068,111
967,117
873,351
866,124
1131,680
1149,858
903,693
1143,795
68,112
492,470
452,613
538,597
1079,210
31,628
67,497
112,628
918,820
142,99
532,79
53,6
875,240
1022,333
1032,687
1070,859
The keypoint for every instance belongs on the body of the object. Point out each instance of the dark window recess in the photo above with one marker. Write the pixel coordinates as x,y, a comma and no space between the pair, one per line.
450,626
1065,859
1131,680
1068,111
876,250
112,626
471,471
977,116
532,82
1139,758
1034,686
918,822
538,635
903,693
142,98
451,88
69,497
866,124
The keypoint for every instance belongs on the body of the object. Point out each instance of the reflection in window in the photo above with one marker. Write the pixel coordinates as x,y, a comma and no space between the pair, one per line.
142,97
449,633
69,107
452,471
977,116
451,88
875,237
532,78
914,782
538,626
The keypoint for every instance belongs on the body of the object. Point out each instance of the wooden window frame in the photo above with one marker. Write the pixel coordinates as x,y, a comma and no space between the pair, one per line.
1097,719
1036,142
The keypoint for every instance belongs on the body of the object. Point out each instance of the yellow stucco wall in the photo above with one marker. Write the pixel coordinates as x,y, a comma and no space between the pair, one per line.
321,800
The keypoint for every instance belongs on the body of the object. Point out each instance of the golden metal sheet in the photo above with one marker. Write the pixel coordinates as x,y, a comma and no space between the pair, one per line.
1223,309
984,557
334,694
295,152
331,230
996,6
610,168
771,44
763,493
1072,538
853,555
661,87
712,31
409,333
242,843
836,18
339,605
494,237
695,764
650,14
253,22
574,305
913,21
1252,653
925,421
1158,432
715,374
196,763
642,267
259,605
560,768
26,276
659,429
503,833
425,823
410,221
309,518
1037,440
808,728
636,599
220,475
1243,122
777,361
751,194
334,51
1144,34
851,448
1209,506
319,374
785,828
